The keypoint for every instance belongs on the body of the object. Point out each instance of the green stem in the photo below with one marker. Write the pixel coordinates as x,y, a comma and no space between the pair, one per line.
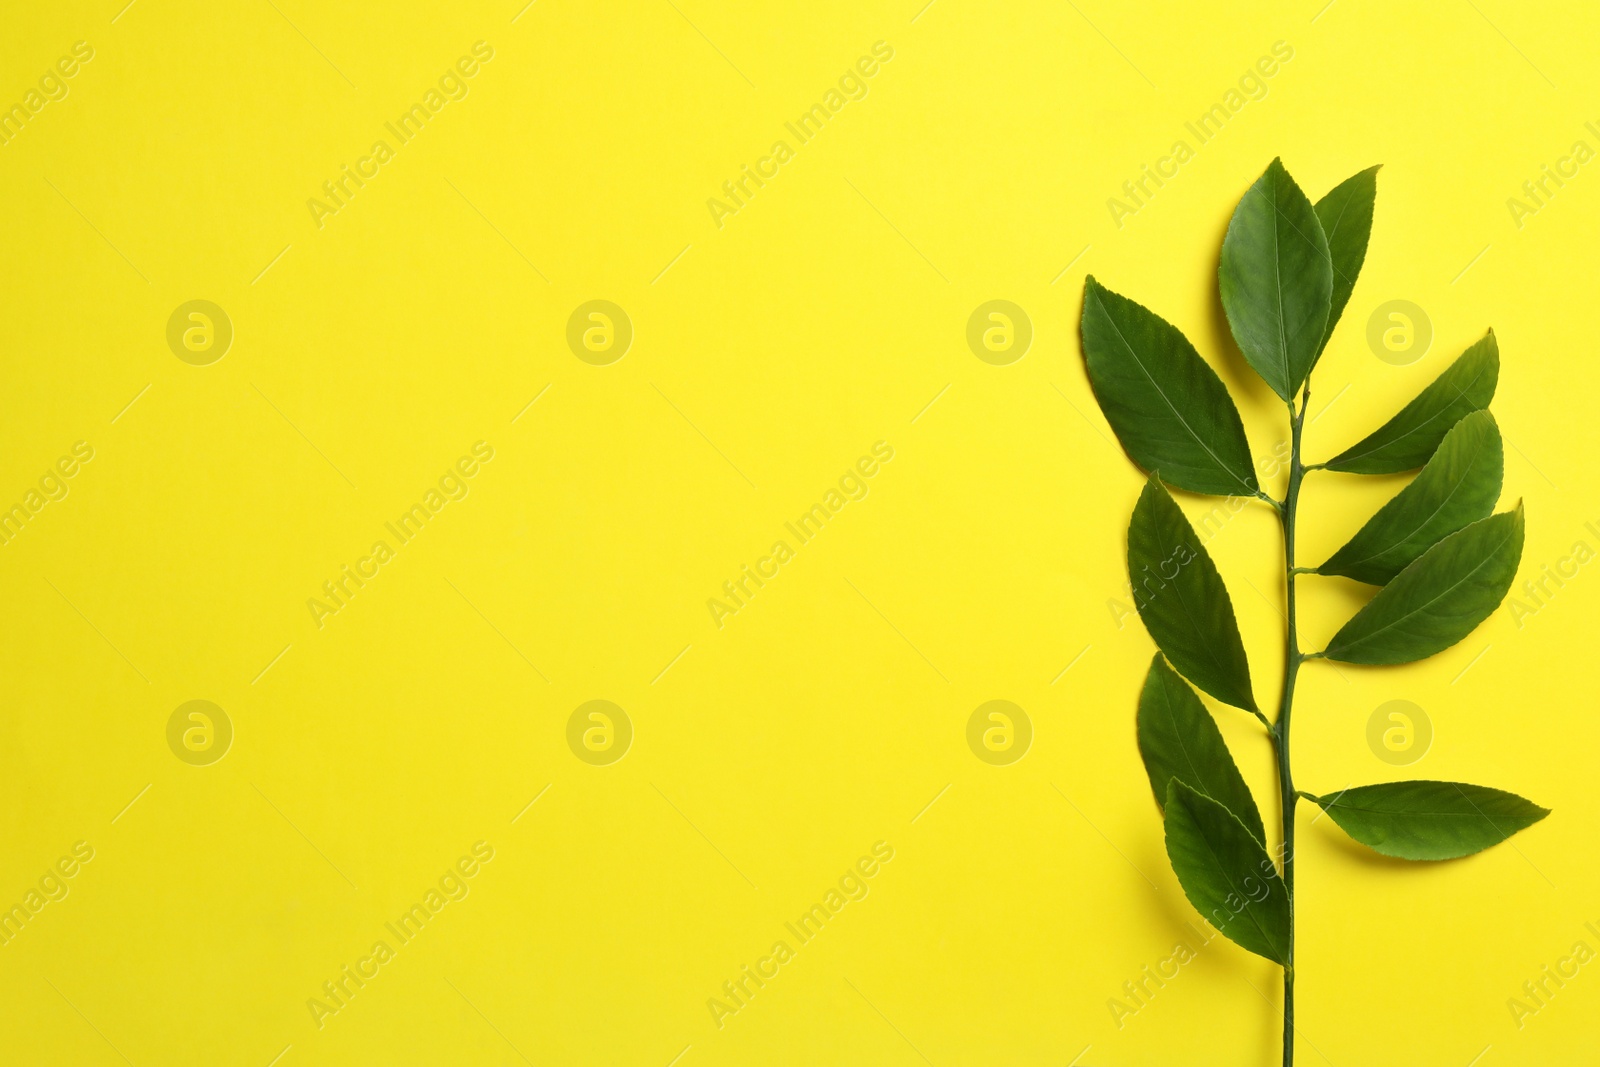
1292,658
1276,505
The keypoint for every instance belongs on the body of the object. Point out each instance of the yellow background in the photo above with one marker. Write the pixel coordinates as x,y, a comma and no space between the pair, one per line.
767,356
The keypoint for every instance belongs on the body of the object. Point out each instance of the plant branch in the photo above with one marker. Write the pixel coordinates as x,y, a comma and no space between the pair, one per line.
1292,658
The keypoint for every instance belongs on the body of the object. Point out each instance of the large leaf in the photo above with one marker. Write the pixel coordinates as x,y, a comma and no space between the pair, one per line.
1405,442
1346,217
1181,598
1277,280
1459,485
1179,739
1430,820
1165,404
1226,873
1439,599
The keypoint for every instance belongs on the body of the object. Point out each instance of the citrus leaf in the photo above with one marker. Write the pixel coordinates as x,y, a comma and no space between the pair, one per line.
1429,820
1437,600
1166,405
1179,740
1181,598
1276,280
1459,485
1405,442
1346,217
1226,873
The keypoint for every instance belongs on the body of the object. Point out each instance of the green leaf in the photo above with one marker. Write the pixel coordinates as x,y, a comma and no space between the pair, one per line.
1226,874
1460,485
1179,740
1405,442
1277,280
1439,599
1166,405
1181,598
1346,217
1430,820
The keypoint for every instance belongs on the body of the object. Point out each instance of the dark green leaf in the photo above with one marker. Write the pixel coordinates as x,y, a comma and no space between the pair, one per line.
1166,405
1439,599
1181,598
1460,485
1405,442
1430,820
1346,217
1226,873
1179,739
1277,280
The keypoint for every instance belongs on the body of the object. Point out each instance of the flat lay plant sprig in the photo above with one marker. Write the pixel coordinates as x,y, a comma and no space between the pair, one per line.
1440,558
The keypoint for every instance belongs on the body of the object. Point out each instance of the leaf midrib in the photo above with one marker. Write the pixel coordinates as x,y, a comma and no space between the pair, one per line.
1337,222
1469,464
1194,624
1413,811
1349,457
1489,558
1277,277
1112,322
1183,748
1217,865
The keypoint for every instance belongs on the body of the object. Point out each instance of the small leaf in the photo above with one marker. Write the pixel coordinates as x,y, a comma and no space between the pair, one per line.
1430,820
1166,405
1439,599
1276,280
1346,217
1226,874
1181,598
1179,740
1405,442
1459,485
